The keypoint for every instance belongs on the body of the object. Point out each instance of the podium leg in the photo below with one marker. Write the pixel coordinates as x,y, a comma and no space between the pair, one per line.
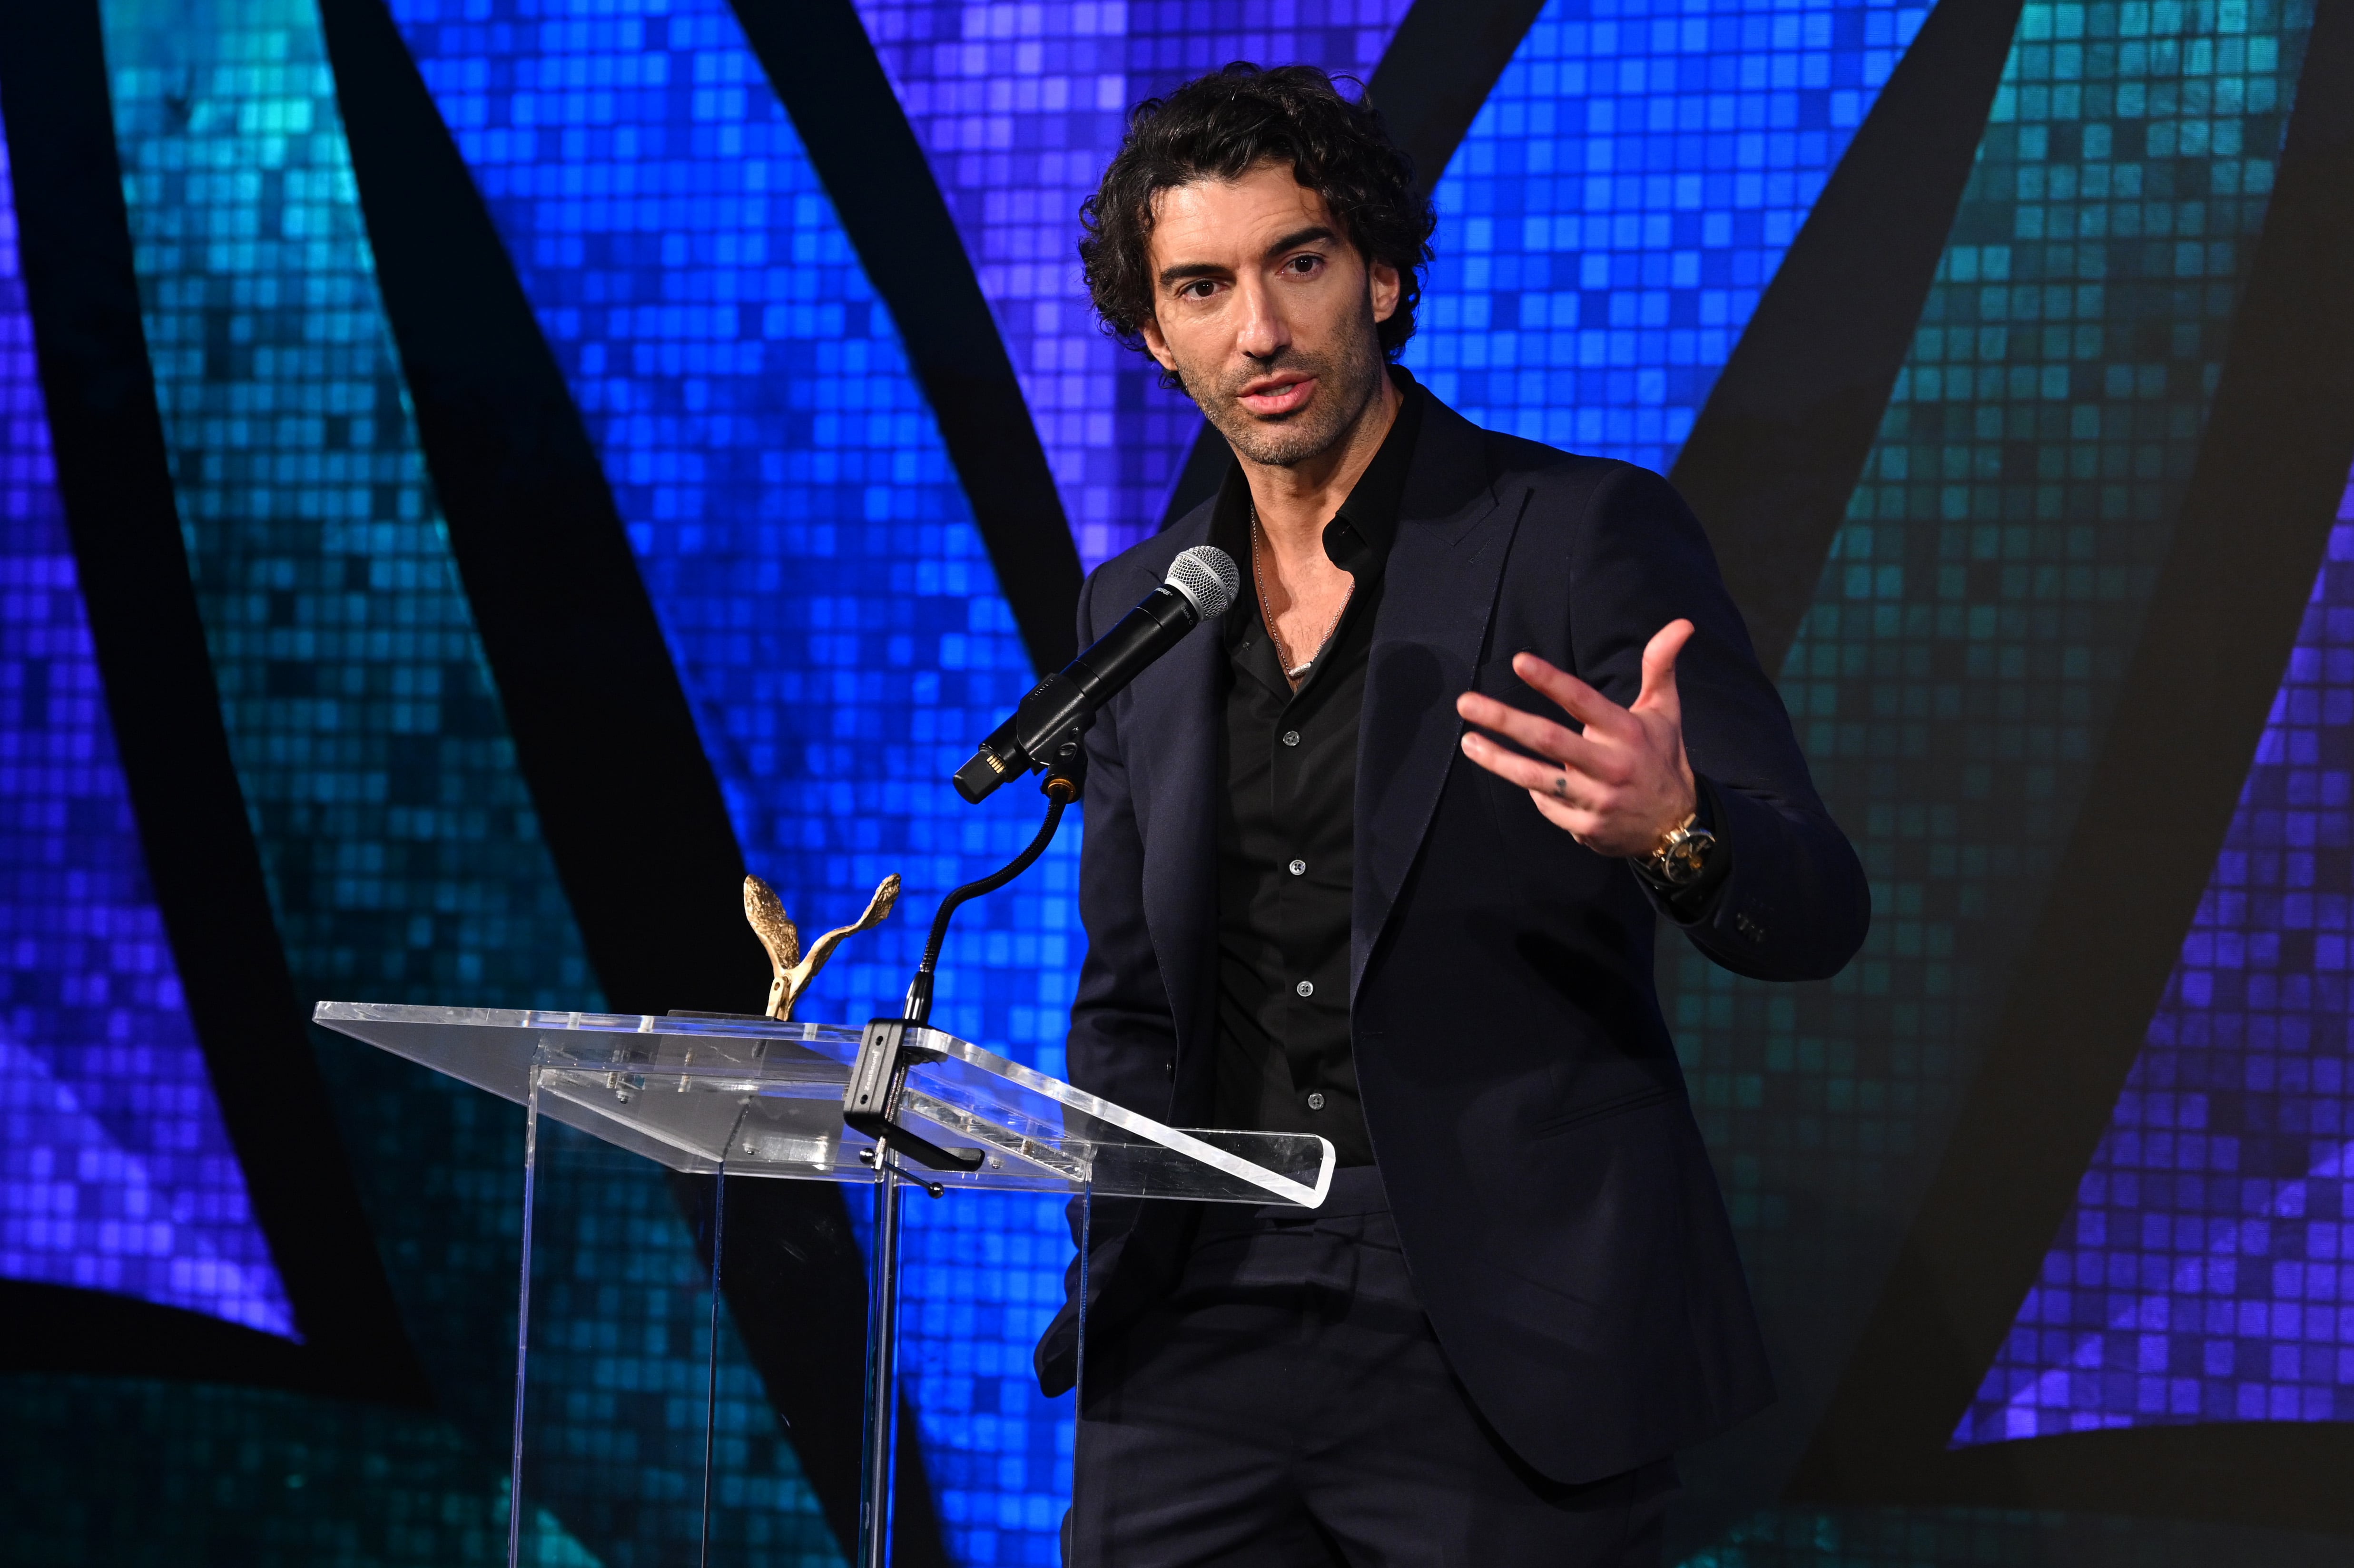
522,1323
1079,1373
711,1359
882,1370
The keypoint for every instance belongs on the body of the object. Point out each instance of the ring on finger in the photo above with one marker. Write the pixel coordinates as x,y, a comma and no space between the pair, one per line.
1561,785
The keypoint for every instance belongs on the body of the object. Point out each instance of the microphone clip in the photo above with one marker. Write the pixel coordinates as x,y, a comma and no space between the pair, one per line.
1066,765
1043,732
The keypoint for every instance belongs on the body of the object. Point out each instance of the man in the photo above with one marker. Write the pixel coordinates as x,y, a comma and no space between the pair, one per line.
1381,857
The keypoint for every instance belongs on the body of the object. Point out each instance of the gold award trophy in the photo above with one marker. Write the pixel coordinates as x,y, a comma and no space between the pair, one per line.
782,938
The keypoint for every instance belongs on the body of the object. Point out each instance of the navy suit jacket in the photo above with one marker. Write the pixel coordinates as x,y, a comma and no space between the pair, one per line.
1558,1210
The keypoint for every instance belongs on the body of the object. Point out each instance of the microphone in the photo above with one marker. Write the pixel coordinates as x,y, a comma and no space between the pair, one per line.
1202,585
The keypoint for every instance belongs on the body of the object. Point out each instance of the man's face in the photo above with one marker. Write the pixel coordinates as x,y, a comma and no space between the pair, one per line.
1266,313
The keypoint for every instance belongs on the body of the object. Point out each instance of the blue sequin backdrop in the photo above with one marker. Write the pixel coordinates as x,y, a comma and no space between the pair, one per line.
1606,229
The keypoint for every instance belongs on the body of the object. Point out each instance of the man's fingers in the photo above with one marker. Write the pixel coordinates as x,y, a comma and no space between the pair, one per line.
1581,824
1580,701
1611,784
1566,786
1659,667
1548,740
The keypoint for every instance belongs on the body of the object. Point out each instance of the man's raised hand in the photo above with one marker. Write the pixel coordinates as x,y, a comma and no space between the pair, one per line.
1618,788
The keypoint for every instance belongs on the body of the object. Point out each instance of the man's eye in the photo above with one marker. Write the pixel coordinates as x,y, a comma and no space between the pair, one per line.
1201,288
1303,265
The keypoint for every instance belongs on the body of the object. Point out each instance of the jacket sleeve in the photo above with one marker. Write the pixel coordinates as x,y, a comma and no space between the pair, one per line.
1123,1037
1795,906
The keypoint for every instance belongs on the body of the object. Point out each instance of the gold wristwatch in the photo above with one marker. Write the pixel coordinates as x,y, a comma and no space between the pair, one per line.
1680,855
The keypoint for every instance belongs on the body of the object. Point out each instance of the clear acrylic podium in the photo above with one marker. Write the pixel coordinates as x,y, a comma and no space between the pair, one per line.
752,1096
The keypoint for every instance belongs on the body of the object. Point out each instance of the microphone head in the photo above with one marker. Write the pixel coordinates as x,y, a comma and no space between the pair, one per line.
1208,577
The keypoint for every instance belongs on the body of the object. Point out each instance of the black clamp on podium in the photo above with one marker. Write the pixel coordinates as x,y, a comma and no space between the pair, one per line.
876,1079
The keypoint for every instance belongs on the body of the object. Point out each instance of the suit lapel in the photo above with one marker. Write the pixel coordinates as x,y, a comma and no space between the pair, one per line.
1173,781
1438,595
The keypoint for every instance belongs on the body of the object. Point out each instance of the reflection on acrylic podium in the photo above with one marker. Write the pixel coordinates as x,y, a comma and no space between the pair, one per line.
743,1098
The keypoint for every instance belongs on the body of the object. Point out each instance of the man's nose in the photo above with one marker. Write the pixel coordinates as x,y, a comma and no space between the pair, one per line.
1260,333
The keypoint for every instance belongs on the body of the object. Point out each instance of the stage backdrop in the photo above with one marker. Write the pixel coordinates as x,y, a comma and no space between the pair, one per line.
479,475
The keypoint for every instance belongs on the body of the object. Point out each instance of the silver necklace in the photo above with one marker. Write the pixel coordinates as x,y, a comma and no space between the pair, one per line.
1292,673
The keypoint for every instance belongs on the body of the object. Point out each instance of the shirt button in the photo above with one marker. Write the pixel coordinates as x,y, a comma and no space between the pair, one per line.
1316,1101
1291,738
1306,988
1298,867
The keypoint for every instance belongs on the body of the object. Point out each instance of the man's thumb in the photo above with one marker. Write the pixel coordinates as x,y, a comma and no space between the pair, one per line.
1659,664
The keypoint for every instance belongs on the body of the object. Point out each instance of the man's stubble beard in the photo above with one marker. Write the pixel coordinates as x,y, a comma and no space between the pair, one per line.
1347,384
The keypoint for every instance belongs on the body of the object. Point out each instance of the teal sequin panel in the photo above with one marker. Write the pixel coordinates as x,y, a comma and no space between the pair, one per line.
1953,680
115,1171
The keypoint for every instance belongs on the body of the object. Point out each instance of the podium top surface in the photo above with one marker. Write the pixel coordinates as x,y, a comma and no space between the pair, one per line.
757,1097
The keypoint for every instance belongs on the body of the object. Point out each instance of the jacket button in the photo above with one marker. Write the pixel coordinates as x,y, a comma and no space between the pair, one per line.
1298,867
1316,1101
1291,738
1306,988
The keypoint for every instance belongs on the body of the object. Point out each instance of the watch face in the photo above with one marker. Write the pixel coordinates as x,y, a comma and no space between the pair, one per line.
1687,858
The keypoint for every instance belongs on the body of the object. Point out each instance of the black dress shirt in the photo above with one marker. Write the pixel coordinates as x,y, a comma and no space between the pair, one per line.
1286,827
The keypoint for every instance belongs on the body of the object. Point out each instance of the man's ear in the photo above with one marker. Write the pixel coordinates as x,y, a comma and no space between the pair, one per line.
1383,288
1155,345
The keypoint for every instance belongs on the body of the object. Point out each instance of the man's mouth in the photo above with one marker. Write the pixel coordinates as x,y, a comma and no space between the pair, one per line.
1277,394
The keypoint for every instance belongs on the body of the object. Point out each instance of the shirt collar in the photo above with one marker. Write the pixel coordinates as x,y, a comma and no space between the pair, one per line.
1358,538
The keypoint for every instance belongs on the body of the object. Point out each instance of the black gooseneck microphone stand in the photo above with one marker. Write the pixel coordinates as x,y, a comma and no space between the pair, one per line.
872,1101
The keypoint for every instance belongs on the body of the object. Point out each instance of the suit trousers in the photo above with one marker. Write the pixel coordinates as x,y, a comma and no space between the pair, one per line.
1288,1405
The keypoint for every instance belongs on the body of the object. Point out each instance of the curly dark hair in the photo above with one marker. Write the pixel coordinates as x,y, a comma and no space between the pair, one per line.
1219,126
